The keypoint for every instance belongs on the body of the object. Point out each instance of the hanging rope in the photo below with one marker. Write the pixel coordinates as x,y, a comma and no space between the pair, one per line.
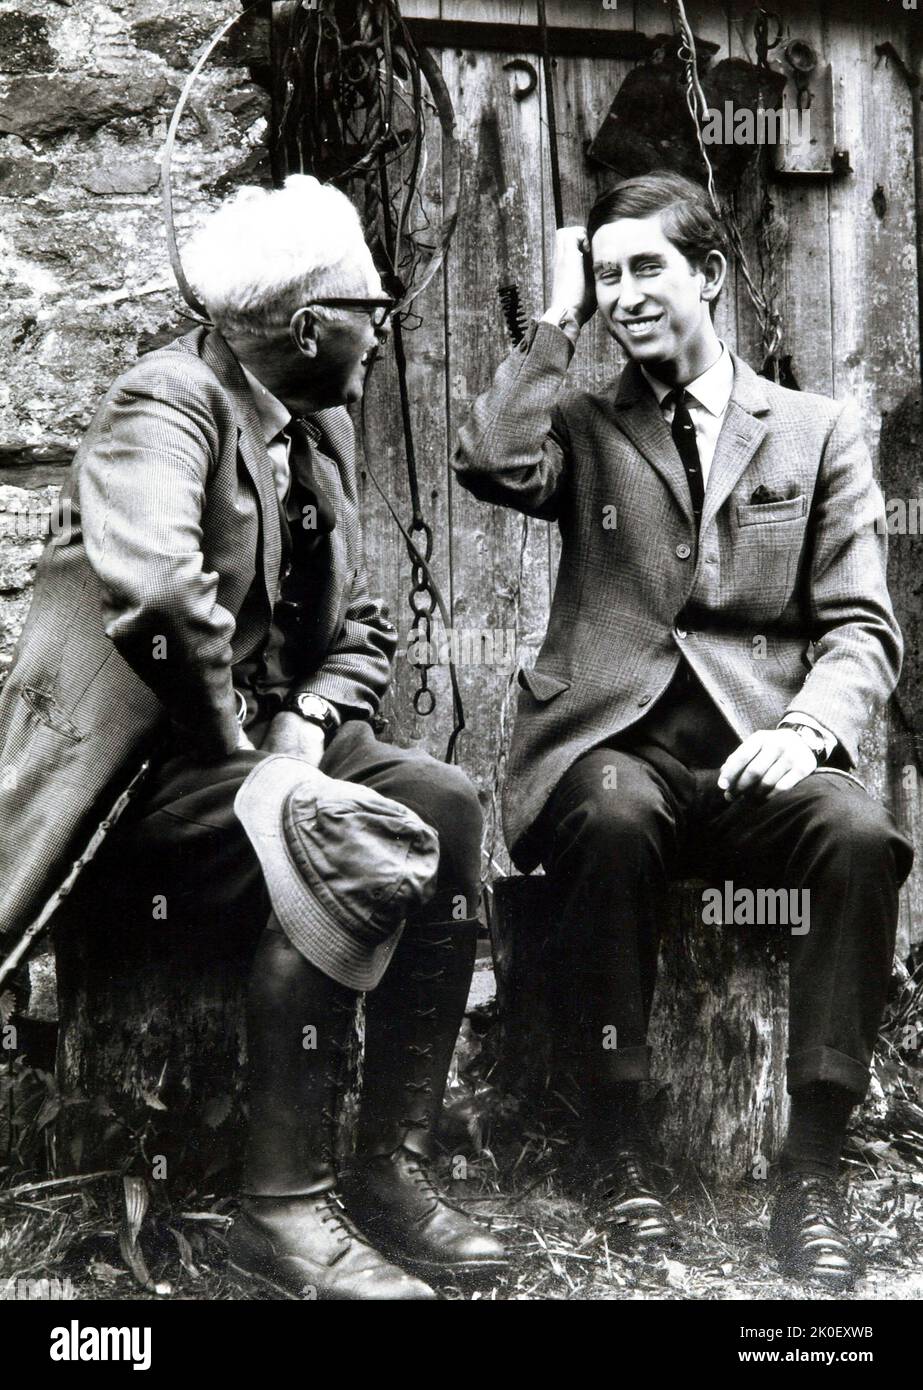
768,315
166,166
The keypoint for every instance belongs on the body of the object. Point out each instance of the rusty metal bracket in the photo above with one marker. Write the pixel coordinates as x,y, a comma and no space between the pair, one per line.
522,65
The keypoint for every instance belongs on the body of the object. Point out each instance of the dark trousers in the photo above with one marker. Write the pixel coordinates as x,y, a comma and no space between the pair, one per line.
628,817
183,841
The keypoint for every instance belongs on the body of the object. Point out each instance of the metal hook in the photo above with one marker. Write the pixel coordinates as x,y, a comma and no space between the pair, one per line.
521,65
761,35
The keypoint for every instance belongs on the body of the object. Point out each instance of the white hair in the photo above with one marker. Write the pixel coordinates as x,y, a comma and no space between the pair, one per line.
265,252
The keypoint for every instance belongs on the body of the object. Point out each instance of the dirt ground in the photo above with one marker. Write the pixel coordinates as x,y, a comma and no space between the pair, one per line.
560,1246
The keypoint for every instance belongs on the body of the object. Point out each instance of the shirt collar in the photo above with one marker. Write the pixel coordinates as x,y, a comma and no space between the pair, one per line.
272,414
712,389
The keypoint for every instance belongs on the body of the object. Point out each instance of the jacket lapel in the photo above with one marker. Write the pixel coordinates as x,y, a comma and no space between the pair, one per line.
638,416
740,437
224,364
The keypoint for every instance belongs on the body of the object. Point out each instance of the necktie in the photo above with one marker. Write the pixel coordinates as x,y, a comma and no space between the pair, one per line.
304,436
306,518
683,431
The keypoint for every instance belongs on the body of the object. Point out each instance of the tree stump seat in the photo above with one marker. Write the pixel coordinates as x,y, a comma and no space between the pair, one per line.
717,1097
152,1037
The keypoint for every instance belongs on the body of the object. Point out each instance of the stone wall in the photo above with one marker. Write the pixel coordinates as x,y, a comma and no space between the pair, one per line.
86,93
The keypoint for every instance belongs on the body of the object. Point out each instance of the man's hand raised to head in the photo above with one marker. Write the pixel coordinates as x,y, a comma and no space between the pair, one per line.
768,762
574,290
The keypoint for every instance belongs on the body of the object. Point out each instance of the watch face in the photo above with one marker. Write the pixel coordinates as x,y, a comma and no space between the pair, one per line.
314,708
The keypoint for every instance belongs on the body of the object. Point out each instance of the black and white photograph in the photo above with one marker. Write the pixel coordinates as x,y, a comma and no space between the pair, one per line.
461,669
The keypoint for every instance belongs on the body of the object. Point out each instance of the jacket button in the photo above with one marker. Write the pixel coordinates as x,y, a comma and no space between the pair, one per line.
683,551
644,700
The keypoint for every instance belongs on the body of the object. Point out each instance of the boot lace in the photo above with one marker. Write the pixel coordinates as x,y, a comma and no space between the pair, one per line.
823,1204
627,1172
334,1216
419,1175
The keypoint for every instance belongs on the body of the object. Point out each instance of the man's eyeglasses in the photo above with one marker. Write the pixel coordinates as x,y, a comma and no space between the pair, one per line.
378,310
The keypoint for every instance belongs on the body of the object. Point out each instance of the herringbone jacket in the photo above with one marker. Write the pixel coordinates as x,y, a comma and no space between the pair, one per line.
146,598
782,606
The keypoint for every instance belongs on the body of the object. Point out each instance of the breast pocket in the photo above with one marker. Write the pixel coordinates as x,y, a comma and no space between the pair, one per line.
770,513
767,543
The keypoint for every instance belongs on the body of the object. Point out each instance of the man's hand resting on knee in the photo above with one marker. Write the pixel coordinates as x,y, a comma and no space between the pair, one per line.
768,762
289,733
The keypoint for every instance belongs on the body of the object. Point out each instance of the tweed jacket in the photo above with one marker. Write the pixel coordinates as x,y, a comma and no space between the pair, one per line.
783,604
164,575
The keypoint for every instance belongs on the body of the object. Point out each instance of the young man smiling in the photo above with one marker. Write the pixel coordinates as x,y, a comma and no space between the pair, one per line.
719,635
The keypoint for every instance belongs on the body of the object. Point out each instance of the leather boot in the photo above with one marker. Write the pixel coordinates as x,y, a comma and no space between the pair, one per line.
412,1022
809,1232
624,1191
292,1233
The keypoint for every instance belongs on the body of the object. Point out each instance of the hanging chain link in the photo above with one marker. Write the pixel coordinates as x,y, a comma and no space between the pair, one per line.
422,604
767,312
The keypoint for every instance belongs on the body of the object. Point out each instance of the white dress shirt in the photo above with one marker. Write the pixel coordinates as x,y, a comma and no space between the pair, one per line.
274,418
710,395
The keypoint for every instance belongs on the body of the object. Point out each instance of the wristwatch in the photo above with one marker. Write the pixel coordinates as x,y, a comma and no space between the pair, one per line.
812,737
315,709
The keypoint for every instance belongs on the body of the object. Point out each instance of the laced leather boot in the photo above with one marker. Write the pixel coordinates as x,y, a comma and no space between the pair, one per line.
412,1021
292,1233
630,1205
808,1232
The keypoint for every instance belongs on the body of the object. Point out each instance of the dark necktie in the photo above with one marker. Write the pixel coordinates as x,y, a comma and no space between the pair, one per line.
683,431
305,436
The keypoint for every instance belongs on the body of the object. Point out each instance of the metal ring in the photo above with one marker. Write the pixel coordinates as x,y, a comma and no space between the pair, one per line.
424,696
421,603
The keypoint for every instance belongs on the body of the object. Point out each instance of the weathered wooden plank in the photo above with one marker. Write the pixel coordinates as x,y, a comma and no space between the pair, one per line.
785,226
499,560
386,552
584,89
873,297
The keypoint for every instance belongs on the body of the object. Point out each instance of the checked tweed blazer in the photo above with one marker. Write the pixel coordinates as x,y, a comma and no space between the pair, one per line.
165,577
792,551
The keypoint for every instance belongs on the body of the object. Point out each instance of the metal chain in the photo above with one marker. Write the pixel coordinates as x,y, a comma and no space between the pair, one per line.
770,319
422,603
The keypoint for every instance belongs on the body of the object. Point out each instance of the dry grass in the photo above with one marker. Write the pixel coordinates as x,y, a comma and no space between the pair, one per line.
560,1248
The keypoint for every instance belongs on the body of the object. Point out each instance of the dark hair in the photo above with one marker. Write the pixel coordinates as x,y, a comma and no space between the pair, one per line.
688,219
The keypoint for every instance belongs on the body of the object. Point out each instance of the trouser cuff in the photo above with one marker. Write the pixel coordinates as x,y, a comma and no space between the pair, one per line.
826,1064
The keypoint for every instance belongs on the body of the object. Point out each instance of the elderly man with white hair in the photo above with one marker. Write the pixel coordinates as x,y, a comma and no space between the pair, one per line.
208,607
